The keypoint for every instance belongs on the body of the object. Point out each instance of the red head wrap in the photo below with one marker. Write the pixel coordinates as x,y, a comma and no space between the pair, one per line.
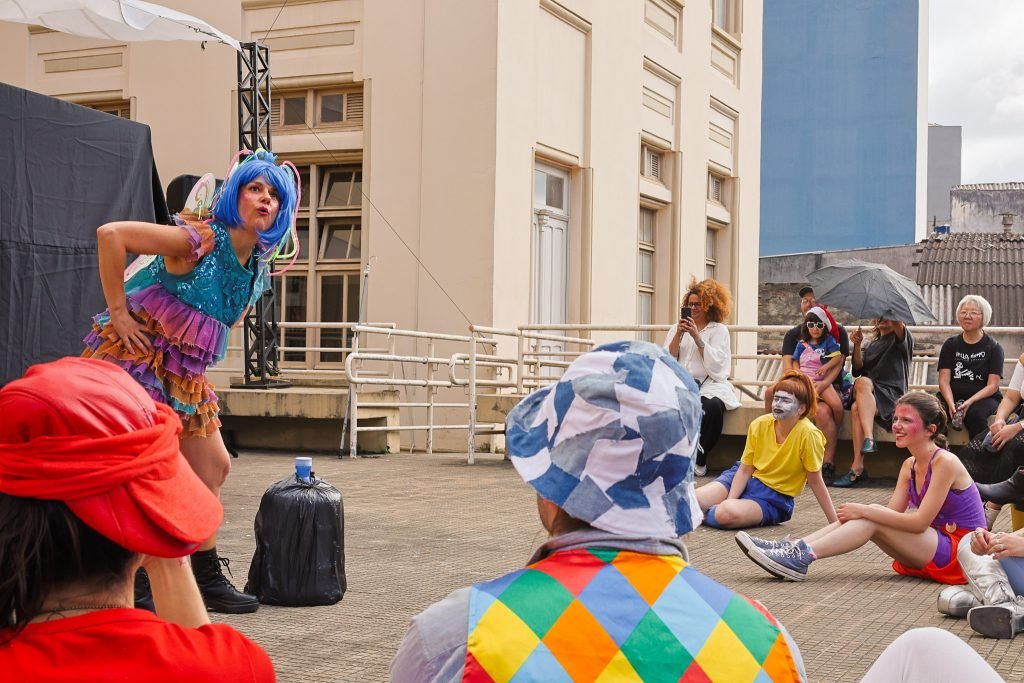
83,432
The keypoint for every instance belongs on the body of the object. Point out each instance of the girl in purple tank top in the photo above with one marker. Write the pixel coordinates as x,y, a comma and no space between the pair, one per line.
934,505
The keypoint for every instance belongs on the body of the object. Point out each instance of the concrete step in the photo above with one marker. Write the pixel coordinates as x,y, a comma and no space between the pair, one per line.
306,418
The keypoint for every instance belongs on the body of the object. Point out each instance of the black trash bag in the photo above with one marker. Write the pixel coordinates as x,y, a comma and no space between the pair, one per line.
300,545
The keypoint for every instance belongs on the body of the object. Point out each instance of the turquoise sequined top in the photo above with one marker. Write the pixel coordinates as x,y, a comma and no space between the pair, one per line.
218,286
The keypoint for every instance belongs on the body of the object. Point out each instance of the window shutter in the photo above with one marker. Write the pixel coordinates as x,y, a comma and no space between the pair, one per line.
715,188
275,111
354,106
652,163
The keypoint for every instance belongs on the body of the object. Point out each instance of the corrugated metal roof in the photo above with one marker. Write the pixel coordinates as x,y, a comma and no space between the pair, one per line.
990,186
990,264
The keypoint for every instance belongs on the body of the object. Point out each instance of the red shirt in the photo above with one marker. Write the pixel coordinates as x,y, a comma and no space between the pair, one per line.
131,645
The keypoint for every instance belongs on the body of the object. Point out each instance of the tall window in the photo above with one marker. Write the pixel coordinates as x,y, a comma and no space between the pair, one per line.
323,286
711,252
719,210
645,270
726,15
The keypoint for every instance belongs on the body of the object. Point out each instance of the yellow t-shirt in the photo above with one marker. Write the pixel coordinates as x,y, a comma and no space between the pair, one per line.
784,466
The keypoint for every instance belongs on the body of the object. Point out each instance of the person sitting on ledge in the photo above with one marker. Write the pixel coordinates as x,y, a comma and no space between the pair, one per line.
934,505
825,419
882,371
93,485
700,342
784,451
610,596
970,368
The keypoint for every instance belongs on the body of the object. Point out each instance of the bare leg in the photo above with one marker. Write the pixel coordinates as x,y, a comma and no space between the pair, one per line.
831,398
912,549
711,494
863,411
858,438
830,429
821,533
864,394
211,462
738,514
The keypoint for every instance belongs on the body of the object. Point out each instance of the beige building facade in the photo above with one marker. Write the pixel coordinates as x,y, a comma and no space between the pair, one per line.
544,161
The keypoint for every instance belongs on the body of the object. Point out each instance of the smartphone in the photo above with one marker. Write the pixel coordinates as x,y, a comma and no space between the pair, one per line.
685,312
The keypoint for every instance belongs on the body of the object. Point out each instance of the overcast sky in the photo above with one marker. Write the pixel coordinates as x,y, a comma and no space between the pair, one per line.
976,80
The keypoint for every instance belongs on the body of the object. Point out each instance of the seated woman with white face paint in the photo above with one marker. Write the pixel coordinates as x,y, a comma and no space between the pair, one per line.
784,451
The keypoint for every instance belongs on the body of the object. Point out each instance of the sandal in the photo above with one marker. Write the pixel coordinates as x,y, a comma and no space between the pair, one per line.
851,479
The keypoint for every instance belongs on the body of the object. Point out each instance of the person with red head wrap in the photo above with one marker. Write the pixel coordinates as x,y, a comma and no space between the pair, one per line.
93,485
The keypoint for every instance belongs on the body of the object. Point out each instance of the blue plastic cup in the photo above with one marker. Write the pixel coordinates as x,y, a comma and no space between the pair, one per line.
303,468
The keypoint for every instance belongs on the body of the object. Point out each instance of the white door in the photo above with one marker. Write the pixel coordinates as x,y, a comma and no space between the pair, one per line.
551,253
551,235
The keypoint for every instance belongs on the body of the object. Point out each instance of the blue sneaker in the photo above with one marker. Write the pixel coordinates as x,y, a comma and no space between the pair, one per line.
745,541
788,563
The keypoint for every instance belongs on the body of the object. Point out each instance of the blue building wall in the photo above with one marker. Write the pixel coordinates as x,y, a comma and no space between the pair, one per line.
839,124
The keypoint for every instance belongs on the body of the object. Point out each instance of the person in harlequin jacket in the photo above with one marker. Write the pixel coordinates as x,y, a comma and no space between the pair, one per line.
611,595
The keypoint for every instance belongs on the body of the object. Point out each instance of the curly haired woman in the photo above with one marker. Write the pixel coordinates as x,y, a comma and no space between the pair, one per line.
700,342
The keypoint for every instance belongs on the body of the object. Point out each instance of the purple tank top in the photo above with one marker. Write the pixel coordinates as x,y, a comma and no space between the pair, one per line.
963,508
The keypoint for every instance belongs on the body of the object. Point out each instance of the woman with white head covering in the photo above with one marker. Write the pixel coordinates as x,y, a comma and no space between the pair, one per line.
609,450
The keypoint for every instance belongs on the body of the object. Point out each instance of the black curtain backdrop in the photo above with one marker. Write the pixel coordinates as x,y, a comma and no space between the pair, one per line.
64,171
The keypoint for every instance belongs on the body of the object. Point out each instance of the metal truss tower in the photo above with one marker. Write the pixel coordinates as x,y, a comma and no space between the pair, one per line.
254,132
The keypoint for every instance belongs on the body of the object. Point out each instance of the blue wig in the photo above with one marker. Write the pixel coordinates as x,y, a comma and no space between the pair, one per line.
259,165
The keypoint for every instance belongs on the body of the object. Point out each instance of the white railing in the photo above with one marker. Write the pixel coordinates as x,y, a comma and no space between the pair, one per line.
235,362
431,363
535,367
529,357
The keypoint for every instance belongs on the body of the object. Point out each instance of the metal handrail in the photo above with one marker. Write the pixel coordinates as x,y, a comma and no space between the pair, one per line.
543,361
430,361
511,361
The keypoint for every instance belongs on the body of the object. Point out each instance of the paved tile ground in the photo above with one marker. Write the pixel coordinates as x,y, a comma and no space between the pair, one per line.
419,526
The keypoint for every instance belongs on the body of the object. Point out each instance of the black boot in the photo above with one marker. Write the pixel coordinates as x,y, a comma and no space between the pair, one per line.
218,593
1009,491
143,593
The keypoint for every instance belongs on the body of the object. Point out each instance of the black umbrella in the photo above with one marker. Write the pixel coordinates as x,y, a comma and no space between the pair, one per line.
870,290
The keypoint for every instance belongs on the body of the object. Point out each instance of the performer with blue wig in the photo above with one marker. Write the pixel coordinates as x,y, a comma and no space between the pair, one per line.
168,315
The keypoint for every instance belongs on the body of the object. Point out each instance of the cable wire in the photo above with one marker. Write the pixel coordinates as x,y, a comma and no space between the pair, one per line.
387,222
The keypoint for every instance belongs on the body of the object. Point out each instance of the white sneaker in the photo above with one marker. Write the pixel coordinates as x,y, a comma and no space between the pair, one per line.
700,470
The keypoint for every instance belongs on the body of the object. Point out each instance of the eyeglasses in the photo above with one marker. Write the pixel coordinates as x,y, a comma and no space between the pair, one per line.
966,313
811,325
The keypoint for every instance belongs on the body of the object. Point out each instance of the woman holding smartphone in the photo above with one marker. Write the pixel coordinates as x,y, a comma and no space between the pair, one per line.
700,342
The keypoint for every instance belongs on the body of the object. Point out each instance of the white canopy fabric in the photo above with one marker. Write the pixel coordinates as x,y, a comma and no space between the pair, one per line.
126,20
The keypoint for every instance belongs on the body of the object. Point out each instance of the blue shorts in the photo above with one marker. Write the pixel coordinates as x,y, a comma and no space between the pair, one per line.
776,507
